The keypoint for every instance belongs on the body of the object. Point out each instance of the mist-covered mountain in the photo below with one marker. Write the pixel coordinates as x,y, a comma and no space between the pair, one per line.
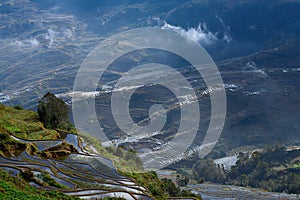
254,42
231,27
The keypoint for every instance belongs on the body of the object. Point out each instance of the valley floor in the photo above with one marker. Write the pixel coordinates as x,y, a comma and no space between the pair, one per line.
229,192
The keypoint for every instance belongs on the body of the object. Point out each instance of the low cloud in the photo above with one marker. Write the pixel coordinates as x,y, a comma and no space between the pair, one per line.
54,37
226,35
200,34
28,43
252,68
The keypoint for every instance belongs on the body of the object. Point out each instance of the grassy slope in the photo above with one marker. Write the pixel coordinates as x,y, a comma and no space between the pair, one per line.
24,124
17,188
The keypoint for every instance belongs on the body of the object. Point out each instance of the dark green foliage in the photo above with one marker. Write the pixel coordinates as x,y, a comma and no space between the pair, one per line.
129,161
119,152
160,189
206,170
170,187
4,137
27,174
18,107
53,112
17,188
182,181
271,169
50,181
263,170
24,124
151,181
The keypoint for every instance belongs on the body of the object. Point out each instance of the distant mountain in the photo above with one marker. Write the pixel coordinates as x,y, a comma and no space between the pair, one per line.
39,37
263,96
254,42
249,25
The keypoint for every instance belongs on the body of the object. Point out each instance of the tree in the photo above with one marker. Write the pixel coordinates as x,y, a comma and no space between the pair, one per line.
170,187
53,112
206,170
181,181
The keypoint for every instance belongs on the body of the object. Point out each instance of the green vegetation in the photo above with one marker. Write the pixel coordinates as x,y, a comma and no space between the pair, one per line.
17,188
10,147
128,164
18,107
268,170
50,181
123,160
159,189
24,124
206,170
272,169
58,152
54,112
296,166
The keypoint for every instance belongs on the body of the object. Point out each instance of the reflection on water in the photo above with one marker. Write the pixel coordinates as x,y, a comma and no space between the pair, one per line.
79,170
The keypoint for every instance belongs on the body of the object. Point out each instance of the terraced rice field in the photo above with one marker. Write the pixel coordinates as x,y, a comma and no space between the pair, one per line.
81,174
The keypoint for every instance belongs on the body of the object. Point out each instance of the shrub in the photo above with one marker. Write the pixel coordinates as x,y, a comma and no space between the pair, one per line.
53,112
2,107
18,107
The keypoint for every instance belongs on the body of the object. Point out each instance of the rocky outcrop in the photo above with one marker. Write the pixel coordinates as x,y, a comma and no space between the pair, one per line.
60,151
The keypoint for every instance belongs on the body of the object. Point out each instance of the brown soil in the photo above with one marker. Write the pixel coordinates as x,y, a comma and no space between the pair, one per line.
59,151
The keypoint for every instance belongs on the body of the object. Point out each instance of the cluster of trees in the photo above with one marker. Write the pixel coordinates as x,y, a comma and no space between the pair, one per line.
206,170
128,158
269,169
263,170
54,112
160,189
182,180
